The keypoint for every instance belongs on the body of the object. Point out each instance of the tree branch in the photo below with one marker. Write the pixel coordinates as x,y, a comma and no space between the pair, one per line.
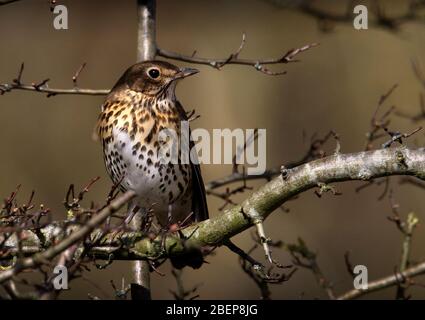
386,282
146,34
146,50
314,151
214,231
43,86
258,64
4,2
75,237
7,87
303,257
342,167
327,19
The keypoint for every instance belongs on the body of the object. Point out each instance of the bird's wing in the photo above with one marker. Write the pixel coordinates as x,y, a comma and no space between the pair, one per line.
199,199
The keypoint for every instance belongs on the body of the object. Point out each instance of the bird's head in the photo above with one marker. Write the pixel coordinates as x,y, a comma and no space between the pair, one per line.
153,77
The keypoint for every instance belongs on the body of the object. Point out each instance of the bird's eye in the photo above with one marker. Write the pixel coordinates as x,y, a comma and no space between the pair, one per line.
153,73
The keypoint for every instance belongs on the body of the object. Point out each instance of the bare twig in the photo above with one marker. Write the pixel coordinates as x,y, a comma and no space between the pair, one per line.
233,58
4,2
379,124
77,74
348,264
72,239
406,228
328,19
314,151
385,282
43,87
397,136
303,257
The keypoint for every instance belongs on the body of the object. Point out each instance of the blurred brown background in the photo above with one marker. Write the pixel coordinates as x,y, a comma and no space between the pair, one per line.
46,142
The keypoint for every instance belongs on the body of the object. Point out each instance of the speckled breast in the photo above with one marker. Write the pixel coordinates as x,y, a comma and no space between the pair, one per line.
129,132
137,167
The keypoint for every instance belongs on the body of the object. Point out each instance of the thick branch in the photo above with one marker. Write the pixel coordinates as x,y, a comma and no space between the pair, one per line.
146,50
146,36
356,166
341,167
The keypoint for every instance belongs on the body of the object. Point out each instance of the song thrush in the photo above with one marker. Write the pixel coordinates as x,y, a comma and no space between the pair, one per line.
139,106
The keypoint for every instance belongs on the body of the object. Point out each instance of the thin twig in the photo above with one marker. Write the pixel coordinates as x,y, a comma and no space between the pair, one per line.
43,87
304,257
73,238
385,282
258,64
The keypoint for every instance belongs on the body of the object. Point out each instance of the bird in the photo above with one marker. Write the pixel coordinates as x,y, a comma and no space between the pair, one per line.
140,105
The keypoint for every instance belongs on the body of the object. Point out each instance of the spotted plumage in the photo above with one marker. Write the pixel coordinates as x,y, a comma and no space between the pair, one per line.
138,108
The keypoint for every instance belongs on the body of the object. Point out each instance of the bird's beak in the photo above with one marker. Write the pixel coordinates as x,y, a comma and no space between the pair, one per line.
185,72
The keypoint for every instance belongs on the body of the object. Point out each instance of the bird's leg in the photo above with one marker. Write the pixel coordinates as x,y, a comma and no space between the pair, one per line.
138,217
170,215
170,226
133,208
265,241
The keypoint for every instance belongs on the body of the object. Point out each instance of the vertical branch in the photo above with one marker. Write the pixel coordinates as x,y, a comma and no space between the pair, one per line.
146,50
408,228
146,35
411,223
141,283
